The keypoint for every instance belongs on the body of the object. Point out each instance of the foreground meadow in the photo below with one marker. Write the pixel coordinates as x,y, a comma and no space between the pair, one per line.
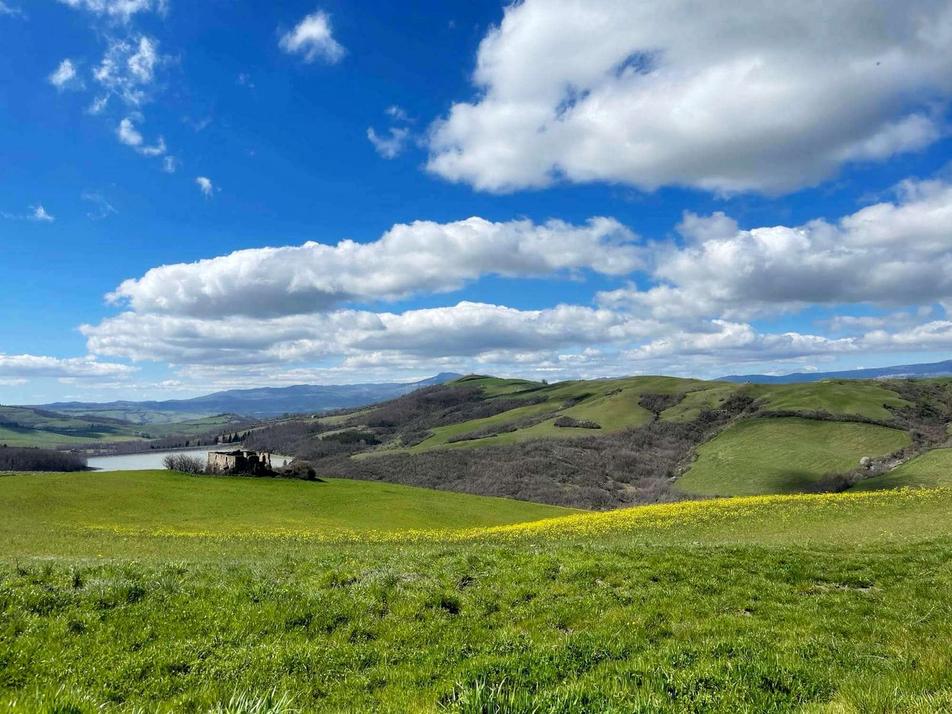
833,603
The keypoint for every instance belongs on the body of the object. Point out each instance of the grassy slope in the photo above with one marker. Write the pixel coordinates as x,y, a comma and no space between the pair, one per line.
612,403
194,427
932,469
783,455
54,429
759,604
47,439
140,416
41,429
836,397
165,501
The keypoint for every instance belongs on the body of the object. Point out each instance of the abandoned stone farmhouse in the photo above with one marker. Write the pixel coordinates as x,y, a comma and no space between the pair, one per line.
239,462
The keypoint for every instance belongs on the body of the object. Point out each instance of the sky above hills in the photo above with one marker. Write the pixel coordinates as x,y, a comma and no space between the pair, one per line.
199,196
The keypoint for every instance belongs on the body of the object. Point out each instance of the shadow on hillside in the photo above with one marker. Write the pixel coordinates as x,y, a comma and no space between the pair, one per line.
796,482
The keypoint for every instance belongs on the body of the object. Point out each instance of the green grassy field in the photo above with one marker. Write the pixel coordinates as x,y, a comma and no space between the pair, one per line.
836,397
832,603
785,455
152,501
932,469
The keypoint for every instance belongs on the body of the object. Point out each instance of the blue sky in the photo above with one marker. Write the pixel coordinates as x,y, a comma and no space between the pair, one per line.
544,190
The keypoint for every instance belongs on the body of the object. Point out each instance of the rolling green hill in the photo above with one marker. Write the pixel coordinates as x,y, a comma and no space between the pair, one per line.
25,426
29,426
616,404
867,399
614,442
612,404
117,596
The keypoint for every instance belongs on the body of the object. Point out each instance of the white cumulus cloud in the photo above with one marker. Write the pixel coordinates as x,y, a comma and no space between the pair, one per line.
127,70
128,134
117,9
40,214
689,308
891,253
313,39
65,75
391,144
419,257
27,366
205,185
745,96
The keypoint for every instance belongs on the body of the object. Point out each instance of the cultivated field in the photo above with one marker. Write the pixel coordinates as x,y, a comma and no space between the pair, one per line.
122,593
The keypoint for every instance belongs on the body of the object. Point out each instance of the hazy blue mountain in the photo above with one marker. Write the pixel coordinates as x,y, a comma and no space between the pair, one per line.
259,402
930,369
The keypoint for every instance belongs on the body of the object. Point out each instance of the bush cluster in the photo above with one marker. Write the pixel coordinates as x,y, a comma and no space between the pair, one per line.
567,421
185,463
14,458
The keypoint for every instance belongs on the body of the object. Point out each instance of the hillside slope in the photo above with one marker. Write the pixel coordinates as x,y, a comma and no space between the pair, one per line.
26,426
33,427
608,443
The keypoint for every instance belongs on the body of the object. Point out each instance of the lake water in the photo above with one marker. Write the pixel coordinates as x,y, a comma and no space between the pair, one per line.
151,460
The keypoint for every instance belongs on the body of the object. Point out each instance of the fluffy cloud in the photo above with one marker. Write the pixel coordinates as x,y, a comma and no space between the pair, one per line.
40,214
128,134
205,185
750,96
891,253
127,70
410,258
734,342
27,366
293,307
312,39
564,341
64,76
470,329
392,143
389,145
117,9
463,330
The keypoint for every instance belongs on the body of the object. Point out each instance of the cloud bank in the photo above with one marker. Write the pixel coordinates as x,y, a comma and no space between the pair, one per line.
749,96
420,257
691,304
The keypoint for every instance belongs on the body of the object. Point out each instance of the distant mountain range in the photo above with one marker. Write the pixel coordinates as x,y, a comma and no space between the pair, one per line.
930,369
261,402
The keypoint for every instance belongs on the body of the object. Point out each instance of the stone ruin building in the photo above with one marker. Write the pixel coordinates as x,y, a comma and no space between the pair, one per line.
240,462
